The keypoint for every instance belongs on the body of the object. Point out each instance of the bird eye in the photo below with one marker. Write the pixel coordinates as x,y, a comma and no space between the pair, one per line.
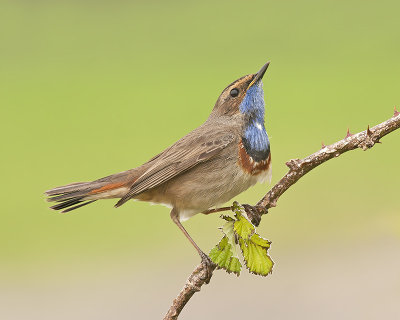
234,92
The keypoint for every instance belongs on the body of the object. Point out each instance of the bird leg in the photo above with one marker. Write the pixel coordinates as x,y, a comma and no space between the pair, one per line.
254,213
205,259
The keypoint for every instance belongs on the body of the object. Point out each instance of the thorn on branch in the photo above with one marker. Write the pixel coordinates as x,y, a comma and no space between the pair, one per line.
369,140
369,132
349,134
395,113
323,145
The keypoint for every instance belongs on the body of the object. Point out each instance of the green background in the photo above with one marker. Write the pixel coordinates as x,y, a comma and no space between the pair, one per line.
90,88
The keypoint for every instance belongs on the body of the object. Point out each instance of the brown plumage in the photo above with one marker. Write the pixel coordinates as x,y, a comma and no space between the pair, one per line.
207,167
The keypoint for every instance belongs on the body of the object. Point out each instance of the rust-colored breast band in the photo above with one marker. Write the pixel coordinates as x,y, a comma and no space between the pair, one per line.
249,165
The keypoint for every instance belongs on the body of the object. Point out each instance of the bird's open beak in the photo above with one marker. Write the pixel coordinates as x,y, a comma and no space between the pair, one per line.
259,74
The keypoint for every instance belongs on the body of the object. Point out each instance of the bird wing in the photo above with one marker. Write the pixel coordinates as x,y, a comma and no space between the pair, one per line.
186,153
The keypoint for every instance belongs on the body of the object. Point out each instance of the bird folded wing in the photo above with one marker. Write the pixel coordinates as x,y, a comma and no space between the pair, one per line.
182,156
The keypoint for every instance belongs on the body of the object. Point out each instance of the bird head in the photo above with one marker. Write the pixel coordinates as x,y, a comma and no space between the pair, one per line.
244,96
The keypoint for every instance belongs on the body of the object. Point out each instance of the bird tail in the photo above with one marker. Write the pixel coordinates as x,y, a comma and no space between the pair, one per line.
76,195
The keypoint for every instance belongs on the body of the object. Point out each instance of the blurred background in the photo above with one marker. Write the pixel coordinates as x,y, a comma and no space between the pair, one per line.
90,88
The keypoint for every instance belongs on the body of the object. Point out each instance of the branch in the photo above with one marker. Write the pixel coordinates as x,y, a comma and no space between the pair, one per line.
297,169
201,275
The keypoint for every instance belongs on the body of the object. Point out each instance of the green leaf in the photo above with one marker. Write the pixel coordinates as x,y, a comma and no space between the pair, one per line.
255,254
242,227
222,256
241,232
256,239
227,229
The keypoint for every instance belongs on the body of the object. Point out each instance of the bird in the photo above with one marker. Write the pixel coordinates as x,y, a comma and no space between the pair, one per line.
223,157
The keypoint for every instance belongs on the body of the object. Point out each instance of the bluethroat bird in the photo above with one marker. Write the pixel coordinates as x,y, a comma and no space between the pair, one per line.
223,157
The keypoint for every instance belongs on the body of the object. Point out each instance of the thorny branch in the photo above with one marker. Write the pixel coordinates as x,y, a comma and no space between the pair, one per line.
297,169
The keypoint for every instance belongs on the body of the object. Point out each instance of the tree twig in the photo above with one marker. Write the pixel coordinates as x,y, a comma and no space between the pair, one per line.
201,275
297,169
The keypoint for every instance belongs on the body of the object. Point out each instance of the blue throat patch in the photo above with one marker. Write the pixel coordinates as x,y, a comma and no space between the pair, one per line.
254,137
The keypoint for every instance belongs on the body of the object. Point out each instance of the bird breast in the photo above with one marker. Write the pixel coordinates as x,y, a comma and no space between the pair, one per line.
252,167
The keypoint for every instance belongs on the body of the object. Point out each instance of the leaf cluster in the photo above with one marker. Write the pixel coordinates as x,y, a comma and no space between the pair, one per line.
240,233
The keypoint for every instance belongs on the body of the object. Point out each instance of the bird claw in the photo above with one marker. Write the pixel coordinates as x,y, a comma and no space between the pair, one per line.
209,266
254,213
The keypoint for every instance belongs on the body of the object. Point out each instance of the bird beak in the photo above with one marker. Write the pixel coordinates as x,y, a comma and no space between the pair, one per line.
259,74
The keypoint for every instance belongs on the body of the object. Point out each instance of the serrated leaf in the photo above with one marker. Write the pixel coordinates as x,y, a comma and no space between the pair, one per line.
235,266
241,232
222,256
255,254
243,227
257,239
227,229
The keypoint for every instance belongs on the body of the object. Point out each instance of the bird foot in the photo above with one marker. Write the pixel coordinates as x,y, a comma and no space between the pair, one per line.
209,266
254,213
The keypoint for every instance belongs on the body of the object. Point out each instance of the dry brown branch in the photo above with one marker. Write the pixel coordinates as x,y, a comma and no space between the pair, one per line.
199,276
297,169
